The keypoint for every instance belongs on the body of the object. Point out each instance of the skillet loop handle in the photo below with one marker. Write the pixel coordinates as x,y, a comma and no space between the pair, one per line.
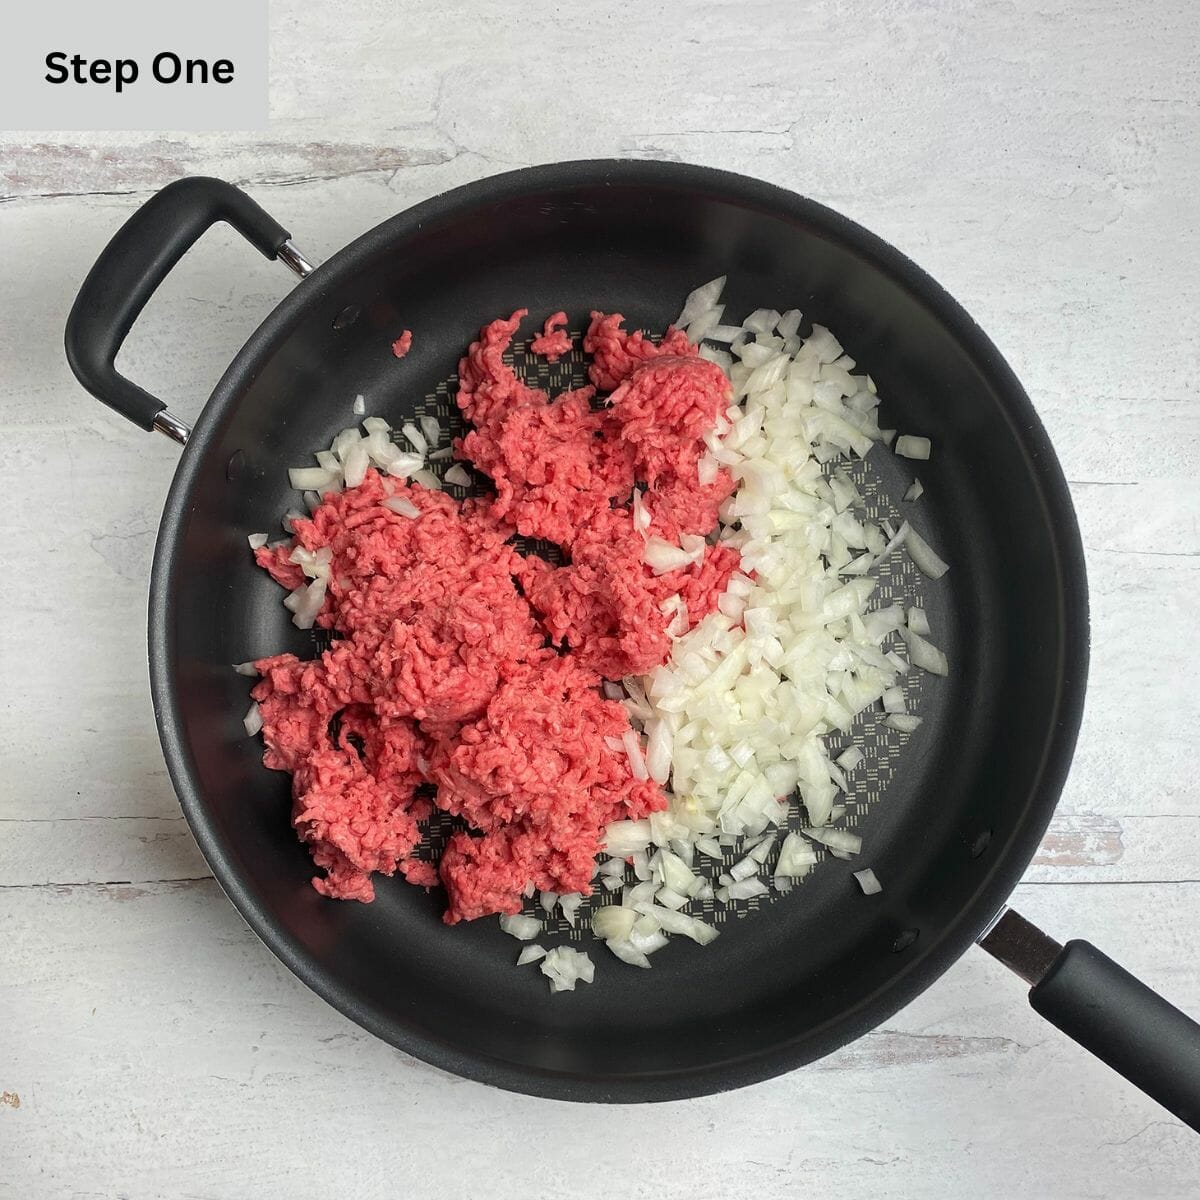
1119,1019
129,270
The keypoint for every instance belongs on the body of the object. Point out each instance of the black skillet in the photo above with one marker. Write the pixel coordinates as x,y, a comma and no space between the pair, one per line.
973,794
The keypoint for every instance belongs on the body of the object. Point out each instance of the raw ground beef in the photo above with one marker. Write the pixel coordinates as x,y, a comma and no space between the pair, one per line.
553,342
403,344
459,662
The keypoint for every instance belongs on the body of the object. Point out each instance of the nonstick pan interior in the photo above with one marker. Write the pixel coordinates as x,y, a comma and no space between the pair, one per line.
960,808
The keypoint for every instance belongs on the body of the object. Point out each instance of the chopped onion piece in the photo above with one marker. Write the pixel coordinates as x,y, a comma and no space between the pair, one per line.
403,506
305,602
917,620
407,466
457,475
253,720
427,479
868,882
924,654
835,839
796,857
521,927
641,514
662,557
675,872
762,851
908,446
415,438
648,942
744,889
658,751
849,758
903,722
530,954
258,540
568,905
356,463
360,405
700,301
916,490
316,479
707,321
627,953
613,922
623,838
565,967
431,427
633,752
926,560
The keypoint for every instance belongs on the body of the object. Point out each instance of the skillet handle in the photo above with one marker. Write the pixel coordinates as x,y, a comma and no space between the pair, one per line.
1106,1010
129,270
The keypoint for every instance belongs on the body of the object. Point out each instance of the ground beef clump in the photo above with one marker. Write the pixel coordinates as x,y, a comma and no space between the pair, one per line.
461,663
554,341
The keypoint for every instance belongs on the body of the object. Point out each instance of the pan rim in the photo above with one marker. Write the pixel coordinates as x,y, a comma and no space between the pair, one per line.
995,882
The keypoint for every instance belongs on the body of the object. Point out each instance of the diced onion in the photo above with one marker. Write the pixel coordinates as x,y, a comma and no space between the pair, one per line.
700,301
519,926
745,889
908,446
926,560
568,905
662,557
849,758
415,437
403,506
868,882
565,967
658,751
613,922
627,952
835,839
623,838
431,427
796,857
315,478
917,620
924,654
633,751
427,479
253,720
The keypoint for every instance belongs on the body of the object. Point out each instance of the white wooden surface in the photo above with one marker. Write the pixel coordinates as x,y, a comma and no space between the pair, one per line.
1040,158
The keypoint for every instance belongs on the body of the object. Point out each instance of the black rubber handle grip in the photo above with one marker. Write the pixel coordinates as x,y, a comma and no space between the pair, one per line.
1120,1020
134,263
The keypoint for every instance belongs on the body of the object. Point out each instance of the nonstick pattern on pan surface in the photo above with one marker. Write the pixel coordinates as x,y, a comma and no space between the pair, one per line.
899,582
